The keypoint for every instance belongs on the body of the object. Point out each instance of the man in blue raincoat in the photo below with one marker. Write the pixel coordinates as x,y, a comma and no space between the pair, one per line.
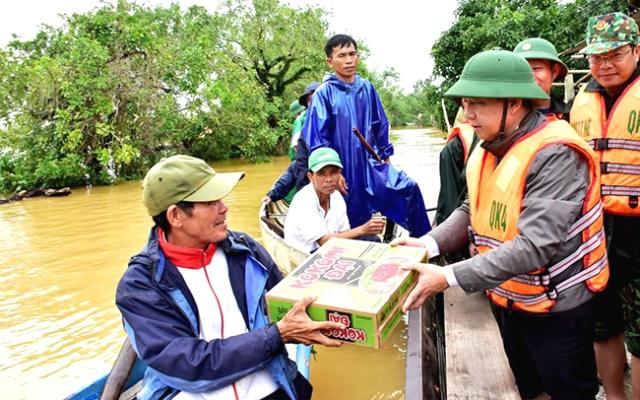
345,101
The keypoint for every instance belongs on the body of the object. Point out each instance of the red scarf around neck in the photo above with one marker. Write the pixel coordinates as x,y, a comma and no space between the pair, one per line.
186,257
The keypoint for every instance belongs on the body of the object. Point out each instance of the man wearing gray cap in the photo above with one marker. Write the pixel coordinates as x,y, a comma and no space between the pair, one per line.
192,300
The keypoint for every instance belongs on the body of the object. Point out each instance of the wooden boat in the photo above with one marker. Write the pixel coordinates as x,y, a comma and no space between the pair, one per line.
124,380
271,220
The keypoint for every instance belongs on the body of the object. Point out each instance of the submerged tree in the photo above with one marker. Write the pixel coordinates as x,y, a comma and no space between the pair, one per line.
111,91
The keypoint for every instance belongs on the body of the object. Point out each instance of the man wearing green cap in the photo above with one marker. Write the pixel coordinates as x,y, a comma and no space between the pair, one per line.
605,113
533,218
546,67
192,300
319,212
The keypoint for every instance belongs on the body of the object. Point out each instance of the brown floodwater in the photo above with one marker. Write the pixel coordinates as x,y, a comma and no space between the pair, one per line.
62,258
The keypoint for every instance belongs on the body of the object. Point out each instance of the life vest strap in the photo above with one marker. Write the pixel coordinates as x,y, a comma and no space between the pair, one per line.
617,168
585,221
605,144
552,292
584,249
544,279
482,240
610,190
577,227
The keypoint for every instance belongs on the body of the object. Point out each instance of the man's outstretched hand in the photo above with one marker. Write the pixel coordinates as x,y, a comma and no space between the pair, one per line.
297,327
431,281
407,241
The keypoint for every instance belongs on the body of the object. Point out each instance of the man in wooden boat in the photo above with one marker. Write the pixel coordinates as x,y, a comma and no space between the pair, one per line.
318,212
534,218
344,104
193,300
606,113
547,67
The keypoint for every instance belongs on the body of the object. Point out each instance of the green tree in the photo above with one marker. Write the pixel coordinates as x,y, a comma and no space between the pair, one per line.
111,91
484,24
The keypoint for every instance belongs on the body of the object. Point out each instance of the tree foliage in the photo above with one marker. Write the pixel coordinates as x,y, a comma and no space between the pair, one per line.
111,91
485,24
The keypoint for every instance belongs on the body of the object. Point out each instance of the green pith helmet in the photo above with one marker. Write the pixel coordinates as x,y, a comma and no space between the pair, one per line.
497,74
540,49
295,107
610,31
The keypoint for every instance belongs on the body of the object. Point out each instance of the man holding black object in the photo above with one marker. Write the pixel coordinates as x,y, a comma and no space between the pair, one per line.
345,104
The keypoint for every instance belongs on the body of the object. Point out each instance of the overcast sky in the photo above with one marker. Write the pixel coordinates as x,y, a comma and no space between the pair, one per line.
399,33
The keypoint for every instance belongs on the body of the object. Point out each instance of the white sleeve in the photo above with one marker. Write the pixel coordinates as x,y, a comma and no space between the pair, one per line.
344,217
450,276
431,245
303,226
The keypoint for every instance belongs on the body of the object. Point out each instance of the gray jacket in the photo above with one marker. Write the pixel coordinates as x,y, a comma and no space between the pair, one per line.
556,185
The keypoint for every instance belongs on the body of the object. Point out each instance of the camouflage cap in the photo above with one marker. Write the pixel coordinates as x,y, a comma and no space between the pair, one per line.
610,31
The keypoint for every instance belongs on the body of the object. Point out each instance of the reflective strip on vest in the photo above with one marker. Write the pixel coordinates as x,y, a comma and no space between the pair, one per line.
552,294
605,144
544,279
615,168
621,190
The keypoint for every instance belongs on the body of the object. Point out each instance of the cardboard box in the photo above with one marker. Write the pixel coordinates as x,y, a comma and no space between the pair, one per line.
358,283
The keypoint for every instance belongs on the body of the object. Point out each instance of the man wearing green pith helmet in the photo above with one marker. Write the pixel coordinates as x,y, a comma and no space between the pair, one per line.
547,67
533,218
605,113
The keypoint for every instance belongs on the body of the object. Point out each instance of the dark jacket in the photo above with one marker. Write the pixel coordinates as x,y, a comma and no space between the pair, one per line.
301,165
161,320
453,182
558,108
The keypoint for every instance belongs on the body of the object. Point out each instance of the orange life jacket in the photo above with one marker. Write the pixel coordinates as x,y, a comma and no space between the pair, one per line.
465,133
496,192
616,141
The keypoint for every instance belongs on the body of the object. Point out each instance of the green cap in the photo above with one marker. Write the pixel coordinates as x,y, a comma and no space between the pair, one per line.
540,49
184,178
322,157
295,107
497,74
610,31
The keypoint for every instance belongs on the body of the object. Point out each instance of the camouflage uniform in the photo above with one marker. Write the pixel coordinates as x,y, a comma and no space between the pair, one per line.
618,308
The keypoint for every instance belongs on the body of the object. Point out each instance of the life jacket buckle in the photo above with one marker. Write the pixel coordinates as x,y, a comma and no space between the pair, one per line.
633,201
472,235
544,278
604,167
552,293
601,144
